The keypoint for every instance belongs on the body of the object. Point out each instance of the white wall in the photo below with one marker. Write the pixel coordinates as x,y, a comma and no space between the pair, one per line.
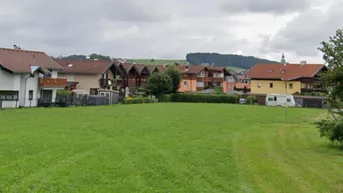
54,74
31,84
9,82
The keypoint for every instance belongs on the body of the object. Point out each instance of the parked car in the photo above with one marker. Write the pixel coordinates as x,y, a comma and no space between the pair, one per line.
242,101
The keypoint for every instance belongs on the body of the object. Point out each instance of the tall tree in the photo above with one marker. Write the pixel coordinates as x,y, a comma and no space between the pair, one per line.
159,83
332,127
175,76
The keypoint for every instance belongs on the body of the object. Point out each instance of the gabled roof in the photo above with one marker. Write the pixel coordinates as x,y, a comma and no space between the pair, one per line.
127,67
141,68
20,61
85,66
151,68
284,72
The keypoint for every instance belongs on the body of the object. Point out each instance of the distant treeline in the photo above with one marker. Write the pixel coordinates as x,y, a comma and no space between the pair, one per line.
83,57
245,62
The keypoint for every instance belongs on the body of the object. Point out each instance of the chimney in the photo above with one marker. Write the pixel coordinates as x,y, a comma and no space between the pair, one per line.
16,47
303,62
187,67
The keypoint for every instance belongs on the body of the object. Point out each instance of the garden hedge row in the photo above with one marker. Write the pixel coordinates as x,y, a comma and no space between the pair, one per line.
199,98
138,100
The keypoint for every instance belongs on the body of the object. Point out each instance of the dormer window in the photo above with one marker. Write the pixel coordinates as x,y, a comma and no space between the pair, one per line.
270,70
283,71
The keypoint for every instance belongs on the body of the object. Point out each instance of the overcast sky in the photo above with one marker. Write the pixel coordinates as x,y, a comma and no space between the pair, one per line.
171,28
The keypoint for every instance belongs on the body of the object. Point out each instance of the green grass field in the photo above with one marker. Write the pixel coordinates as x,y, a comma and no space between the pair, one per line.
166,148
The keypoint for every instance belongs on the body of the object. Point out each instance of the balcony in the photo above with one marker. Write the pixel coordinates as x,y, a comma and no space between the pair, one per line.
104,82
52,82
210,79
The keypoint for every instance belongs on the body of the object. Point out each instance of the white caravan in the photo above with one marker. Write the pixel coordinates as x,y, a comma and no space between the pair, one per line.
280,100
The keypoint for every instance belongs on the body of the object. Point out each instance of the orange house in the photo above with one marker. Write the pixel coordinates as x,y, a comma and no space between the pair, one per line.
197,78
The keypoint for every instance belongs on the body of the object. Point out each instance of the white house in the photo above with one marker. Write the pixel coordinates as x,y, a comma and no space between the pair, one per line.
28,78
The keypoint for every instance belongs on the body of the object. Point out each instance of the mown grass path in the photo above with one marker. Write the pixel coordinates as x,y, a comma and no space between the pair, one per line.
166,148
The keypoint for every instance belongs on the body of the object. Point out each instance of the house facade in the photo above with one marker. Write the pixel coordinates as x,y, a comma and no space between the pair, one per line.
90,75
27,78
198,78
286,78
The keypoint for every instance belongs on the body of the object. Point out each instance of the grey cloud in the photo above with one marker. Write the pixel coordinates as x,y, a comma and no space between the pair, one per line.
303,34
264,6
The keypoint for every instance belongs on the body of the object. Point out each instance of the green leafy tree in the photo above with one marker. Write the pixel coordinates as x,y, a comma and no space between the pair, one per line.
99,57
175,76
332,127
159,84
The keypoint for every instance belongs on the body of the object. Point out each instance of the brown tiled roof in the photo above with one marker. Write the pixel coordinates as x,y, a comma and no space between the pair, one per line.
141,67
85,66
151,67
284,72
21,60
127,66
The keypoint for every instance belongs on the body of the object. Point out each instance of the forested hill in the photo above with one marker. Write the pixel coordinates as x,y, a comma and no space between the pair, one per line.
83,57
245,62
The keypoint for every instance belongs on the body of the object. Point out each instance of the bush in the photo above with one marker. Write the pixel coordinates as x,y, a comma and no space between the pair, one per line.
139,100
331,129
160,83
251,100
199,98
62,92
165,98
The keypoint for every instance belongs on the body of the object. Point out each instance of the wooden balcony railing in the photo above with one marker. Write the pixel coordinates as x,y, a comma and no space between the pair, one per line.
52,82
210,79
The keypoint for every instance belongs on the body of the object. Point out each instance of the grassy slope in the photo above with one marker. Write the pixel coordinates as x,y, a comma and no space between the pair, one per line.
166,148
157,61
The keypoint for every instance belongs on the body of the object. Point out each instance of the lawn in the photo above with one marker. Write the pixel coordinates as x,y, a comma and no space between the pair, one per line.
182,148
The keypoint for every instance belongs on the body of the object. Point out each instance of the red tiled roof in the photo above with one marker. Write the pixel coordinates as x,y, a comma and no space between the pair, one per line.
85,66
21,60
284,72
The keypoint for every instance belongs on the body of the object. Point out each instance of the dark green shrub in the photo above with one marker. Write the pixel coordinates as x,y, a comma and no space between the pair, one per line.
251,100
165,98
199,98
331,129
137,100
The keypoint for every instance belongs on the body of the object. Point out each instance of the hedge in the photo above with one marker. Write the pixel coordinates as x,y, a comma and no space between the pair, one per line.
138,100
200,98
165,98
251,100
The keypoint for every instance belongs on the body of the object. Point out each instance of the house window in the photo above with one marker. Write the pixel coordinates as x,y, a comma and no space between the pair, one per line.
290,85
93,91
218,75
288,100
201,74
9,95
259,84
270,85
200,84
30,95
185,84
